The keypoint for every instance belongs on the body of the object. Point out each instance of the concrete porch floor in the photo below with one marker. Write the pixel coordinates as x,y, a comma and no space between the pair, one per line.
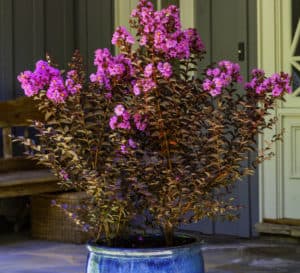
18,254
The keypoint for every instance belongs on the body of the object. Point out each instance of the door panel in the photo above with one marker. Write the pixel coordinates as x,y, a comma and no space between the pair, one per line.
222,26
229,28
291,166
291,123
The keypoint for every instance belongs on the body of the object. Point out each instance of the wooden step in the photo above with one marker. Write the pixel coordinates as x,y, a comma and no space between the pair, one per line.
283,221
20,183
279,229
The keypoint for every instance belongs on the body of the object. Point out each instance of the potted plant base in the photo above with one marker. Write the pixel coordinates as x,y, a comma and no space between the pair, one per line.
184,257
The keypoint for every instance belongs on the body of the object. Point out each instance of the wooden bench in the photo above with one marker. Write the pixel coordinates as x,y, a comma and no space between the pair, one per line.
20,176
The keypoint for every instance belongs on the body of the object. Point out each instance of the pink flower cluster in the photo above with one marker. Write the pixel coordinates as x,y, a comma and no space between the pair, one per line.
140,122
221,77
131,144
57,91
165,69
70,82
277,84
148,83
121,119
162,29
122,37
110,68
49,78
33,82
195,43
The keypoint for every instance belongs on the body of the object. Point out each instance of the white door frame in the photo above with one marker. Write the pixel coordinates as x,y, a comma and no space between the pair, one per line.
274,55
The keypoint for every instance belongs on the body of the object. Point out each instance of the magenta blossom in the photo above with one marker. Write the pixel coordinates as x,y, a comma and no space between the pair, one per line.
111,69
131,144
136,89
29,83
113,122
165,27
122,120
211,87
46,77
119,110
148,70
146,85
123,149
277,84
195,43
221,77
140,122
165,69
122,36
125,121
72,87
57,91
33,82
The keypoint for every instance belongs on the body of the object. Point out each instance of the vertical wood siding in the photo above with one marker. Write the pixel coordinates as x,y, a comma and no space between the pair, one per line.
6,49
29,29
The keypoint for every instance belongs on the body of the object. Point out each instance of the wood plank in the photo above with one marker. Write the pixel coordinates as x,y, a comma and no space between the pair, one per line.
283,221
23,190
7,143
18,112
272,229
26,177
19,163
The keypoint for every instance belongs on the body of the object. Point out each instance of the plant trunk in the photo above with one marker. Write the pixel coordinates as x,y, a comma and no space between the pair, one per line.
168,231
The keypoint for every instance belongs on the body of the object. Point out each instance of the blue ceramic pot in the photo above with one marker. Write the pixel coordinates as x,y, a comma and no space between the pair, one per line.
180,259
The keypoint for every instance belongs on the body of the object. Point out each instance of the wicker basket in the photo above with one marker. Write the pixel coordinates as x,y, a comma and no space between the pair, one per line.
51,223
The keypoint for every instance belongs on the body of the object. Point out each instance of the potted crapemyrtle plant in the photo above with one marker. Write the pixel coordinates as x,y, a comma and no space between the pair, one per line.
152,144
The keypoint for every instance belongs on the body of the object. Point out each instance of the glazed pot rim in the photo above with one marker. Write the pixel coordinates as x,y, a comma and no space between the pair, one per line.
147,252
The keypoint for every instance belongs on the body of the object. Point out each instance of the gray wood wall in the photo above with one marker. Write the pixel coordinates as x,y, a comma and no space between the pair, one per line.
30,28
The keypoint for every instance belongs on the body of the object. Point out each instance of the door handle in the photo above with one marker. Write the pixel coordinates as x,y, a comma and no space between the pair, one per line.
241,51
